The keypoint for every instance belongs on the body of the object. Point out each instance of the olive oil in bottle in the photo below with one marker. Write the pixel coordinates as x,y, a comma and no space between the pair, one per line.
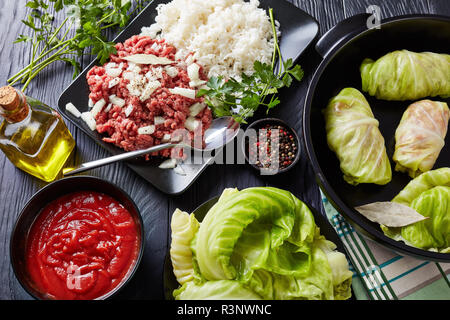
33,136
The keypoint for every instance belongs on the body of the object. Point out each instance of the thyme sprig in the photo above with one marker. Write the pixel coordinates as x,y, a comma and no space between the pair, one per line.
90,19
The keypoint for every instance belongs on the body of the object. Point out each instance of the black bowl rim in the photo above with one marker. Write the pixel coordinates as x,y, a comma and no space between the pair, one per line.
167,278
349,213
273,120
130,274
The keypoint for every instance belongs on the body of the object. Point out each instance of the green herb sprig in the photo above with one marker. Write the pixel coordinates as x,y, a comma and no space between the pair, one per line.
89,18
241,98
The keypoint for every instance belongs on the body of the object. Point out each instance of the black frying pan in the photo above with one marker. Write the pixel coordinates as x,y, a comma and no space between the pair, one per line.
343,49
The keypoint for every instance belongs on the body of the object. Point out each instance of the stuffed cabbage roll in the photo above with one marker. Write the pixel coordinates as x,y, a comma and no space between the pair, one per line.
429,195
420,136
353,134
405,75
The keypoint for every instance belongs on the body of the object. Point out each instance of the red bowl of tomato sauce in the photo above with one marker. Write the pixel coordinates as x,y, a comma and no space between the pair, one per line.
79,238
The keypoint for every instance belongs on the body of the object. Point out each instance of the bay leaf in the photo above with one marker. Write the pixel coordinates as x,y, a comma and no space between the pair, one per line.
390,214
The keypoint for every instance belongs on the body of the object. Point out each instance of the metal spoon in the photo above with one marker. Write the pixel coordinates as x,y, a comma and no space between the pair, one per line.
221,131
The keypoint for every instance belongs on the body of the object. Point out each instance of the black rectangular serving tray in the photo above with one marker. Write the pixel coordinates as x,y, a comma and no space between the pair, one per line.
298,30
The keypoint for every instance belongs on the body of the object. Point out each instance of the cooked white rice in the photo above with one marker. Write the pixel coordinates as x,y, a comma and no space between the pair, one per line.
226,36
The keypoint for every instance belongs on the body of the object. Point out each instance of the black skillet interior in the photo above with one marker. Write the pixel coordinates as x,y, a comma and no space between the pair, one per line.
170,282
340,69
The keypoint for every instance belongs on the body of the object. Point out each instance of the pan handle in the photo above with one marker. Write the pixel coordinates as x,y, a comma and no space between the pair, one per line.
342,32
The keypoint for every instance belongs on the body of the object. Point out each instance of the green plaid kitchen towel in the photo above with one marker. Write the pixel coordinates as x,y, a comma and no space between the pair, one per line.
380,274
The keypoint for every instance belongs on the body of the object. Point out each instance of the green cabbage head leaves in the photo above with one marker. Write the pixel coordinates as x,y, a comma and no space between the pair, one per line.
262,243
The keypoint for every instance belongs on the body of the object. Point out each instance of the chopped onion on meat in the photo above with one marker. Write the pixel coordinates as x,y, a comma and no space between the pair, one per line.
193,71
159,120
89,119
129,110
113,82
191,123
166,137
98,106
147,130
196,108
196,83
149,89
116,100
108,107
171,71
113,72
188,93
148,59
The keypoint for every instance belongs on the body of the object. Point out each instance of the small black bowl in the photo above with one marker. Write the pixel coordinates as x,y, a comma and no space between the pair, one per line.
261,124
19,236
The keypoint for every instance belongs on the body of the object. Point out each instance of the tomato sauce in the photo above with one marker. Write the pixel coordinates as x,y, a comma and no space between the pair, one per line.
82,246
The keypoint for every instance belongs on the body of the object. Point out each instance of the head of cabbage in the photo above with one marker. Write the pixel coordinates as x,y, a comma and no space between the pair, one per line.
257,243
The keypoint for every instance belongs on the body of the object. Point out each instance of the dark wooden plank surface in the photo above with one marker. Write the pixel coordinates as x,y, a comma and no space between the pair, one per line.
17,187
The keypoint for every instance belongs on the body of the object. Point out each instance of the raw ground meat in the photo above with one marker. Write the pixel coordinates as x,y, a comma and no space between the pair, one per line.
122,130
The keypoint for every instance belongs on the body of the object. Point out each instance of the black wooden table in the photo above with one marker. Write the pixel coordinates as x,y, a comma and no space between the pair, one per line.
17,187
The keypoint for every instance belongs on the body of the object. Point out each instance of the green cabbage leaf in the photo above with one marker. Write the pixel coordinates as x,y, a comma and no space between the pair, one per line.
184,227
429,195
215,290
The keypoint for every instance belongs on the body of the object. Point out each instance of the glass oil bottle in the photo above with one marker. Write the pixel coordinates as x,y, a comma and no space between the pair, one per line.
33,136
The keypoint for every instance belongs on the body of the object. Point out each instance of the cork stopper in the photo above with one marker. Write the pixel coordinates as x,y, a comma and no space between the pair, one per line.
13,104
9,98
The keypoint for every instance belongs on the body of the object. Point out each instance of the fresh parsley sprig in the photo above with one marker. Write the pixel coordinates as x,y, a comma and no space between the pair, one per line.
82,31
241,98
